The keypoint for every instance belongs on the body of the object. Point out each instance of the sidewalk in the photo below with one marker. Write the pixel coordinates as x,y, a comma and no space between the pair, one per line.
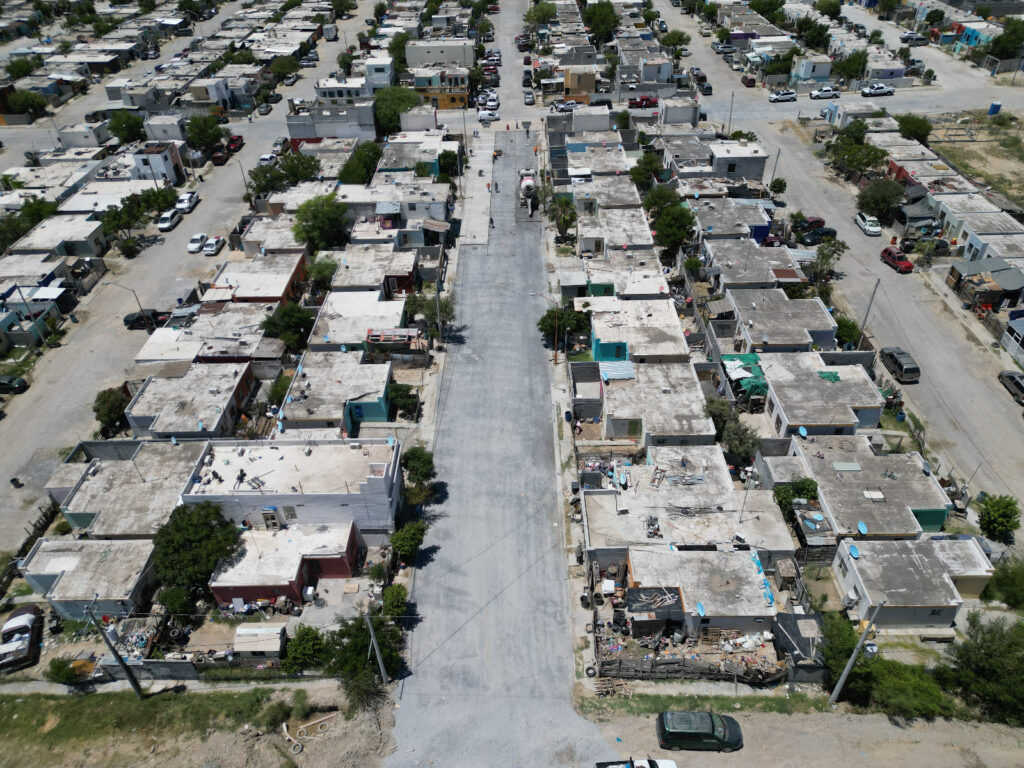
41,687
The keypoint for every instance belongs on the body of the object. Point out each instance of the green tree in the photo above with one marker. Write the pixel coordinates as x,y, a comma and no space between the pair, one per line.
291,324
448,163
23,66
741,440
189,546
915,127
396,49
827,259
847,331
886,7
675,40
934,17
390,103
983,11
282,66
178,601
395,599
60,671
348,652
298,167
264,180
109,407
1008,44
646,170
831,8
777,186
403,398
857,158
568,322
875,38
380,11
721,413
345,61
363,690
157,200
205,133
64,47
999,517
304,650
406,540
26,103
541,13
813,34
121,220
279,389
35,210
986,669
673,227
622,120
428,305
1007,583
658,199
418,464
851,67
423,169
881,198
321,221
710,12
190,8
321,273
563,213
602,20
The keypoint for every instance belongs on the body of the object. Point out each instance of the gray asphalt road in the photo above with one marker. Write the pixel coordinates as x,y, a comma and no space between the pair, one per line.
491,661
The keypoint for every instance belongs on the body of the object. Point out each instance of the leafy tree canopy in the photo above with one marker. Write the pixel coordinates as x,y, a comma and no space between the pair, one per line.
390,103
189,546
321,221
602,20
291,324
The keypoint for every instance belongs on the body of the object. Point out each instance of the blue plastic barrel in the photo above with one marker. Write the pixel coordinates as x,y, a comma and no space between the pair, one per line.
994,107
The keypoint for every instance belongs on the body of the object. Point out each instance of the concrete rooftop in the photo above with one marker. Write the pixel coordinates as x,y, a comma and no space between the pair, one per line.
329,380
666,396
808,399
274,557
109,569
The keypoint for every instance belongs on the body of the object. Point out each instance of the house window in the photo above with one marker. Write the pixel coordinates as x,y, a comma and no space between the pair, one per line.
289,513
935,612
771,407
412,206
392,283
704,622
778,423
270,521
731,168
843,570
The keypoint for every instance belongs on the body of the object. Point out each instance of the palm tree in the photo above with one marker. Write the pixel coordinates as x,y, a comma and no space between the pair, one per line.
563,212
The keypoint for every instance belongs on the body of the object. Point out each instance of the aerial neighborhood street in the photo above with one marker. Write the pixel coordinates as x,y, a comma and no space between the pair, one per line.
580,383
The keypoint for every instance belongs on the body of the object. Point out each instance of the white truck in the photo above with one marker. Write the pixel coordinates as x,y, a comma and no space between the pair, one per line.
330,32
528,190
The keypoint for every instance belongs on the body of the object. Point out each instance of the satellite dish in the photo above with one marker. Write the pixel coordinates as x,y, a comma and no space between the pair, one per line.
700,609
854,552
862,528
803,432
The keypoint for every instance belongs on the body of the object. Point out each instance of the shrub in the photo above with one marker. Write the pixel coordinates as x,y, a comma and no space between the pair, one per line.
63,528
304,650
61,671
406,540
394,601
1007,584
274,714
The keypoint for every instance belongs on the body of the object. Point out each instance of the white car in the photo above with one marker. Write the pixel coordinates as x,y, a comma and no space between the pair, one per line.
213,245
267,160
168,220
487,116
869,224
877,89
493,103
684,51
825,92
786,95
187,201
736,66
196,243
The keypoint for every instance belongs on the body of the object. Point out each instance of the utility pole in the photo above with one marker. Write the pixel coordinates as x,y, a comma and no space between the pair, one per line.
732,98
113,651
376,648
437,306
776,166
853,656
867,311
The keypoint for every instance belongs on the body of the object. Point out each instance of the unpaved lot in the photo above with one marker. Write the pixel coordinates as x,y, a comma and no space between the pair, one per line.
834,739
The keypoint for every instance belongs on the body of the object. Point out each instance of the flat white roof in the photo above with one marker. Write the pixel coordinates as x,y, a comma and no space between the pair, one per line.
270,558
346,316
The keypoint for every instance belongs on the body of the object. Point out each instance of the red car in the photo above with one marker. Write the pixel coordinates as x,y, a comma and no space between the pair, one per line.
219,157
235,143
493,8
809,223
896,259
643,102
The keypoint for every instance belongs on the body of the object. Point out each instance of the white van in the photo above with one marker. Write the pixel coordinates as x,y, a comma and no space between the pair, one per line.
487,116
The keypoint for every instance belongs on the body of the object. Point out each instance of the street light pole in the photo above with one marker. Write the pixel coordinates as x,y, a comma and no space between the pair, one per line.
558,310
145,317
245,182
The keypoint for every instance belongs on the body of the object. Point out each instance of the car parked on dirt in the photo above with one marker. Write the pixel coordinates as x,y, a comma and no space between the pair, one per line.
21,638
698,731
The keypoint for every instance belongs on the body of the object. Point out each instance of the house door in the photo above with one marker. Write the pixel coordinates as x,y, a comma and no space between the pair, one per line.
270,521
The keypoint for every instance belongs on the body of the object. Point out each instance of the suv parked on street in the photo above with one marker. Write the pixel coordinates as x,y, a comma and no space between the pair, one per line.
900,364
896,259
1014,383
784,95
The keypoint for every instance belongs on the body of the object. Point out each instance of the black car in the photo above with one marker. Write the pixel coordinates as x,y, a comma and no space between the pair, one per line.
12,385
908,244
815,236
705,88
273,97
148,318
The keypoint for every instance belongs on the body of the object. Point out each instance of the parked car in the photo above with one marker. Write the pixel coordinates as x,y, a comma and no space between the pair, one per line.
281,145
909,245
487,116
736,66
860,30
896,259
727,48
21,638
219,157
267,159
698,75
698,731
274,97
196,242
291,79
12,385
912,39
815,236
783,95
601,101
213,246
187,201
306,63
900,364
808,223
567,106
1014,383
774,241
527,80
662,26
684,51
169,219
528,98
825,92
716,46
705,88
749,81
527,60
147,318
264,109
235,143
868,224
643,102
877,89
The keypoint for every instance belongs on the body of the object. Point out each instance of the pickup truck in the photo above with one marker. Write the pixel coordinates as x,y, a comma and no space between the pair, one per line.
643,102
631,763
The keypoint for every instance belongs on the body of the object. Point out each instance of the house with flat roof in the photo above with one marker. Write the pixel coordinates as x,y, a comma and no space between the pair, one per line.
737,159
113,578
271,484
1007,247
638,330
769,321
255,643
272,235
378,267
724,588
336,390
347,317
67,235
123,489
952,208
804,392
683,496
977,227
614,229
918,580
205,402
743,263
273,277
725,218
601,193
661,405
282,563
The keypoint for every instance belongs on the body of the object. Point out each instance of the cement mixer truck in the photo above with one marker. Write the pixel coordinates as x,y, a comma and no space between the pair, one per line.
528,190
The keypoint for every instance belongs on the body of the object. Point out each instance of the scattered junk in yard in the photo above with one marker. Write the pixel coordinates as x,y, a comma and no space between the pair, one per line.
311,730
